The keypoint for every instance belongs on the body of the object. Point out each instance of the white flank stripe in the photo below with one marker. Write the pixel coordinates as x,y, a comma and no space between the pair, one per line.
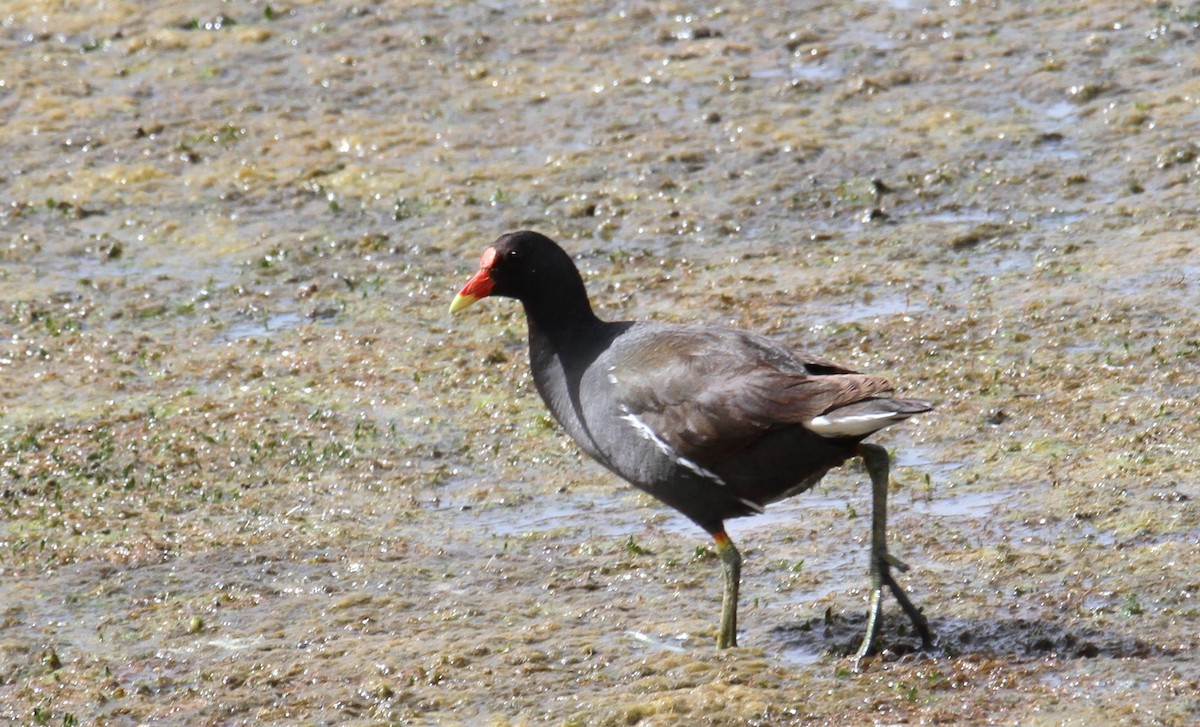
649,434
752,505
700,470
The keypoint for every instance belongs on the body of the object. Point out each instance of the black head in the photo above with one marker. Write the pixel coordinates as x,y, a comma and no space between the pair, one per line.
533,269
525,263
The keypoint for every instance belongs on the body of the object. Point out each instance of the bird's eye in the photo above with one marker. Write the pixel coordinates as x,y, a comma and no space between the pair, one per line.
513,255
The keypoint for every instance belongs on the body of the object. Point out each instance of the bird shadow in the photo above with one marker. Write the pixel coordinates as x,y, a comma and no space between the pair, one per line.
1015,638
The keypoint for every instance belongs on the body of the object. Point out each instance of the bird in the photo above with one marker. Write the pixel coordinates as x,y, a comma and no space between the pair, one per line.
715,422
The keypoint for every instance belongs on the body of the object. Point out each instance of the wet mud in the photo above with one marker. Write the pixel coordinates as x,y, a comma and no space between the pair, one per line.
251,472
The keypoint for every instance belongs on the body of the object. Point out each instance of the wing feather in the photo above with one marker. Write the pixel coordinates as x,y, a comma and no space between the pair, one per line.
709,394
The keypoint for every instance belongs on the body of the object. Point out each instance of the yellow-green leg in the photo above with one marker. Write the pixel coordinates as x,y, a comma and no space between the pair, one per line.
876,460
731,562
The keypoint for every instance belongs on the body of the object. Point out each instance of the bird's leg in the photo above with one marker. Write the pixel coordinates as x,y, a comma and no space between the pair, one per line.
731,562
876,460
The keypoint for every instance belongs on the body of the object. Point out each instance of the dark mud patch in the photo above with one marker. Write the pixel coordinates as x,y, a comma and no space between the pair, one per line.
1022,638
838,636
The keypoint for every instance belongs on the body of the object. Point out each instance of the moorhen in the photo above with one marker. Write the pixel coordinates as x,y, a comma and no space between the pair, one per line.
715,422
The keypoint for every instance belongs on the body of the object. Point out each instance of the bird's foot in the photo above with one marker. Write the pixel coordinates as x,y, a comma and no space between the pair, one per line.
882,563
874,611
918,620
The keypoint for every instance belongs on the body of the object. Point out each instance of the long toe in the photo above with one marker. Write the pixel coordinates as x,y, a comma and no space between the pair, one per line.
874,616
919,622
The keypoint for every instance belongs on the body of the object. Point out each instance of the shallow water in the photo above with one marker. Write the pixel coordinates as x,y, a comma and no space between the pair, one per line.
251,471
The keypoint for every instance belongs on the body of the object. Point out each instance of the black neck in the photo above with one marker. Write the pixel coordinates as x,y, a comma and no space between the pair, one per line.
560,311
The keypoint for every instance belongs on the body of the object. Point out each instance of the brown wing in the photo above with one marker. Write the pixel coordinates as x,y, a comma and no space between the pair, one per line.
710,394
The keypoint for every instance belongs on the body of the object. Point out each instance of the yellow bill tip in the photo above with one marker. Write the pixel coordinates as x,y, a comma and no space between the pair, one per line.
461,301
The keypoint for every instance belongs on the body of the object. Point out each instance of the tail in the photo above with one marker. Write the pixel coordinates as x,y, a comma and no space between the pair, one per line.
864,417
